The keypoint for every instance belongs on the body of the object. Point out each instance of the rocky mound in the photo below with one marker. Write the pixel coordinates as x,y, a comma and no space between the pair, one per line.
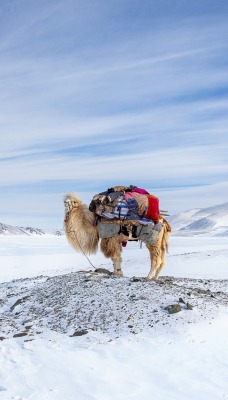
82,303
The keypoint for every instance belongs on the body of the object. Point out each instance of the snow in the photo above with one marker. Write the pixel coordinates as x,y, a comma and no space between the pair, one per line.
210,221
133,348
29,256
19,230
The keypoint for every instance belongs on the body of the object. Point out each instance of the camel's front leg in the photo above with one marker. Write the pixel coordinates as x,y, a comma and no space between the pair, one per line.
117,260
111,248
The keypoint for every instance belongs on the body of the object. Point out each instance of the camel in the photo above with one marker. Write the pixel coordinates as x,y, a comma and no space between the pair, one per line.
83,235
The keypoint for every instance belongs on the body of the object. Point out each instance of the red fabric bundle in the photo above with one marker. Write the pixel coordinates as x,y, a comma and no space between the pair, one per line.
153,208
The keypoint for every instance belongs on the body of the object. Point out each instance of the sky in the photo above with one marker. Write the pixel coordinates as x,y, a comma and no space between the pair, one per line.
101,93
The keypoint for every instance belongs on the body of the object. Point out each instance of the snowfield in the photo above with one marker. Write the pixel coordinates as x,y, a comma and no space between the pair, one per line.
70,333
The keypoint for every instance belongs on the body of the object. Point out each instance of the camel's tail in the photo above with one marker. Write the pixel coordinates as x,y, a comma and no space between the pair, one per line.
165,239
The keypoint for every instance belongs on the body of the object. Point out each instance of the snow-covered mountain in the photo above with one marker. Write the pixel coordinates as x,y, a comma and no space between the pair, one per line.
211,220
18,230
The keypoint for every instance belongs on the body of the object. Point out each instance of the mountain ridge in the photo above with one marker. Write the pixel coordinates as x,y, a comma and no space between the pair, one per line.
6,229
210,220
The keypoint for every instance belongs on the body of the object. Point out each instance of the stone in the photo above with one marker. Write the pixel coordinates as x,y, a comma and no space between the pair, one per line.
102,271
19,301
134,279
20,334
79,333
173,308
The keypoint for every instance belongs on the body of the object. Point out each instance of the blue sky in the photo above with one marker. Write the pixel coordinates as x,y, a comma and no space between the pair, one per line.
101,93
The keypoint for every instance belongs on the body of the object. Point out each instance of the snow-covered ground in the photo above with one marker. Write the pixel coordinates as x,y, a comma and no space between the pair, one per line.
192,257
89,336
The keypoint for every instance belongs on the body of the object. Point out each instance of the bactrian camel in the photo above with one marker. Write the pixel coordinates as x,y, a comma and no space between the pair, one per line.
82,233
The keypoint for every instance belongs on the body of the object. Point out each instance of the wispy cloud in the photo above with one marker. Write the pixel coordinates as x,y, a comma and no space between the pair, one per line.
176,166
86,89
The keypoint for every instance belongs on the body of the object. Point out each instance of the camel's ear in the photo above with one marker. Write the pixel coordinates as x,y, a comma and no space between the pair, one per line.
75,203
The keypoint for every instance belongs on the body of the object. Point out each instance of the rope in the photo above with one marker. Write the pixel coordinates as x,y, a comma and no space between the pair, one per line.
82,249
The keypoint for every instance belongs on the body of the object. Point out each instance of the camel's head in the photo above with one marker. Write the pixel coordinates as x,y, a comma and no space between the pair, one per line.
71,201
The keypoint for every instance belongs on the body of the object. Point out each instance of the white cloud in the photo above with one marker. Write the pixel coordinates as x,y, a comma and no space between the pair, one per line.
177,200
181,165
156,95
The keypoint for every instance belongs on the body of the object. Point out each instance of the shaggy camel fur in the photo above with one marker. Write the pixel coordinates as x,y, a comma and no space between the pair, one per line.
83,236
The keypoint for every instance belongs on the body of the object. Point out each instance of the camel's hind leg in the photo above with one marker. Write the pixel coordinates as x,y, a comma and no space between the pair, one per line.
157,263
157,253
111,248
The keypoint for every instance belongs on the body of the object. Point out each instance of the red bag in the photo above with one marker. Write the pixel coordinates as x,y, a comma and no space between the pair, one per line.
153,208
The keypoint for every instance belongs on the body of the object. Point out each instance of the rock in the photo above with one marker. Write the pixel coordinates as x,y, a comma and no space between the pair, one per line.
181,300
2,338
20,334
19,301
134,279
173,308
189,306
102,271
79,333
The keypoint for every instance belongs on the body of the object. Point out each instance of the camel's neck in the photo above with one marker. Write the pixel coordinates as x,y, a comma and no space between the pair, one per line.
80,230
82,218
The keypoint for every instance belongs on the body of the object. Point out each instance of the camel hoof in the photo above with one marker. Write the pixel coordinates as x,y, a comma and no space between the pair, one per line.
153,278
118,273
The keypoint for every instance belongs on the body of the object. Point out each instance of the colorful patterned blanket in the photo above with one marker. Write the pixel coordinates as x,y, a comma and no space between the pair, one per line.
126,203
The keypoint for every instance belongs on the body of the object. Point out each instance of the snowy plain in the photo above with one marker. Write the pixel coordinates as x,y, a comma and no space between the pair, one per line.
180,356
